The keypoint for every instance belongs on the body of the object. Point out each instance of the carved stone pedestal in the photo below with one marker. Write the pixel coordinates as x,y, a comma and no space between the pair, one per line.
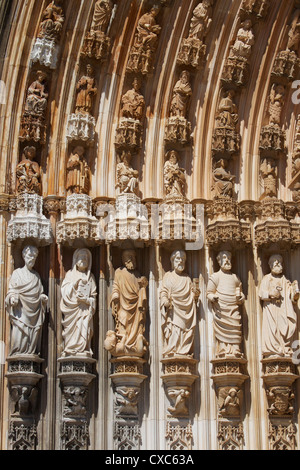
29,223
178,131
279,375
236,71
228,379
129,221
23,376
78,222
272,225
32,128
286,65
75,374
258,8
129,135
192,53
127,378
225,141
45,52
272,138
179,375
81,127
177,221
96,46
140,60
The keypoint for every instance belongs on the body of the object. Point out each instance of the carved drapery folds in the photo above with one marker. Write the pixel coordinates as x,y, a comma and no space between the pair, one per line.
96,43
145,43
193,48
287,63
257,8
226,139
46,47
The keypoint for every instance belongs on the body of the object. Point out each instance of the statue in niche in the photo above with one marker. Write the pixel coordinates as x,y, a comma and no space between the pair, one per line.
133,103
78,305
244,41
101,18
223,180
275,105
75,401
294,34
127,177
129,304
258,7
201,20
127,400
227,116
24,399
26,304
37,97
269,173
181,94
28,173
78,173
279,317
178,302
179,407
231,403
86,91
174,176
52,21
224,291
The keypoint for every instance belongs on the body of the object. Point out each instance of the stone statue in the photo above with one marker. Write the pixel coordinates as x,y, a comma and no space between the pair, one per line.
279,317
133,103
223,180
181,95
227,116
127,177
127,400
224,291
174,176
102,14
28,173
78,173
37,97
52,21
269,173
26,304
75,401
129,304
244,42
231,403
78,305
86,91
294,34
148,30
179,396
201,20
178,302
276,103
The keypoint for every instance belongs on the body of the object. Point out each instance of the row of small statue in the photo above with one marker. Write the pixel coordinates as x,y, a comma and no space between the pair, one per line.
179,300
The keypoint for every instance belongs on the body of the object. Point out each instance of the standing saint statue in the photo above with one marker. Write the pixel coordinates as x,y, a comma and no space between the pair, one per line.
174,176
78,173
178,302
224,290
86,91
279,317
102,14
26,304
78,305
181,94
201,20
129,304
52,21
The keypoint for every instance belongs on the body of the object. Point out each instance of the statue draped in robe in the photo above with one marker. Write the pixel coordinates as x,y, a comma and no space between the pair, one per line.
78,305
201,20
26,303
102,14
52,21
181,95
86,91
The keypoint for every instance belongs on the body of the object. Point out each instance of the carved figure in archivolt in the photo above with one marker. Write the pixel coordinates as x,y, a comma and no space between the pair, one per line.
294,34
133,102
78,173
269,174
52,21
244,41
201,20
181,95
275,104
279,316
223,180
37,97
231,402
102,14
26,303
224,291
227,116
28,173
148,30
127,177
86,91
174,176
178,302
78,305
129,304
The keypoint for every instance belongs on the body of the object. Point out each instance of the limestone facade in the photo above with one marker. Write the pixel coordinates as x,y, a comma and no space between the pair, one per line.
150,162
